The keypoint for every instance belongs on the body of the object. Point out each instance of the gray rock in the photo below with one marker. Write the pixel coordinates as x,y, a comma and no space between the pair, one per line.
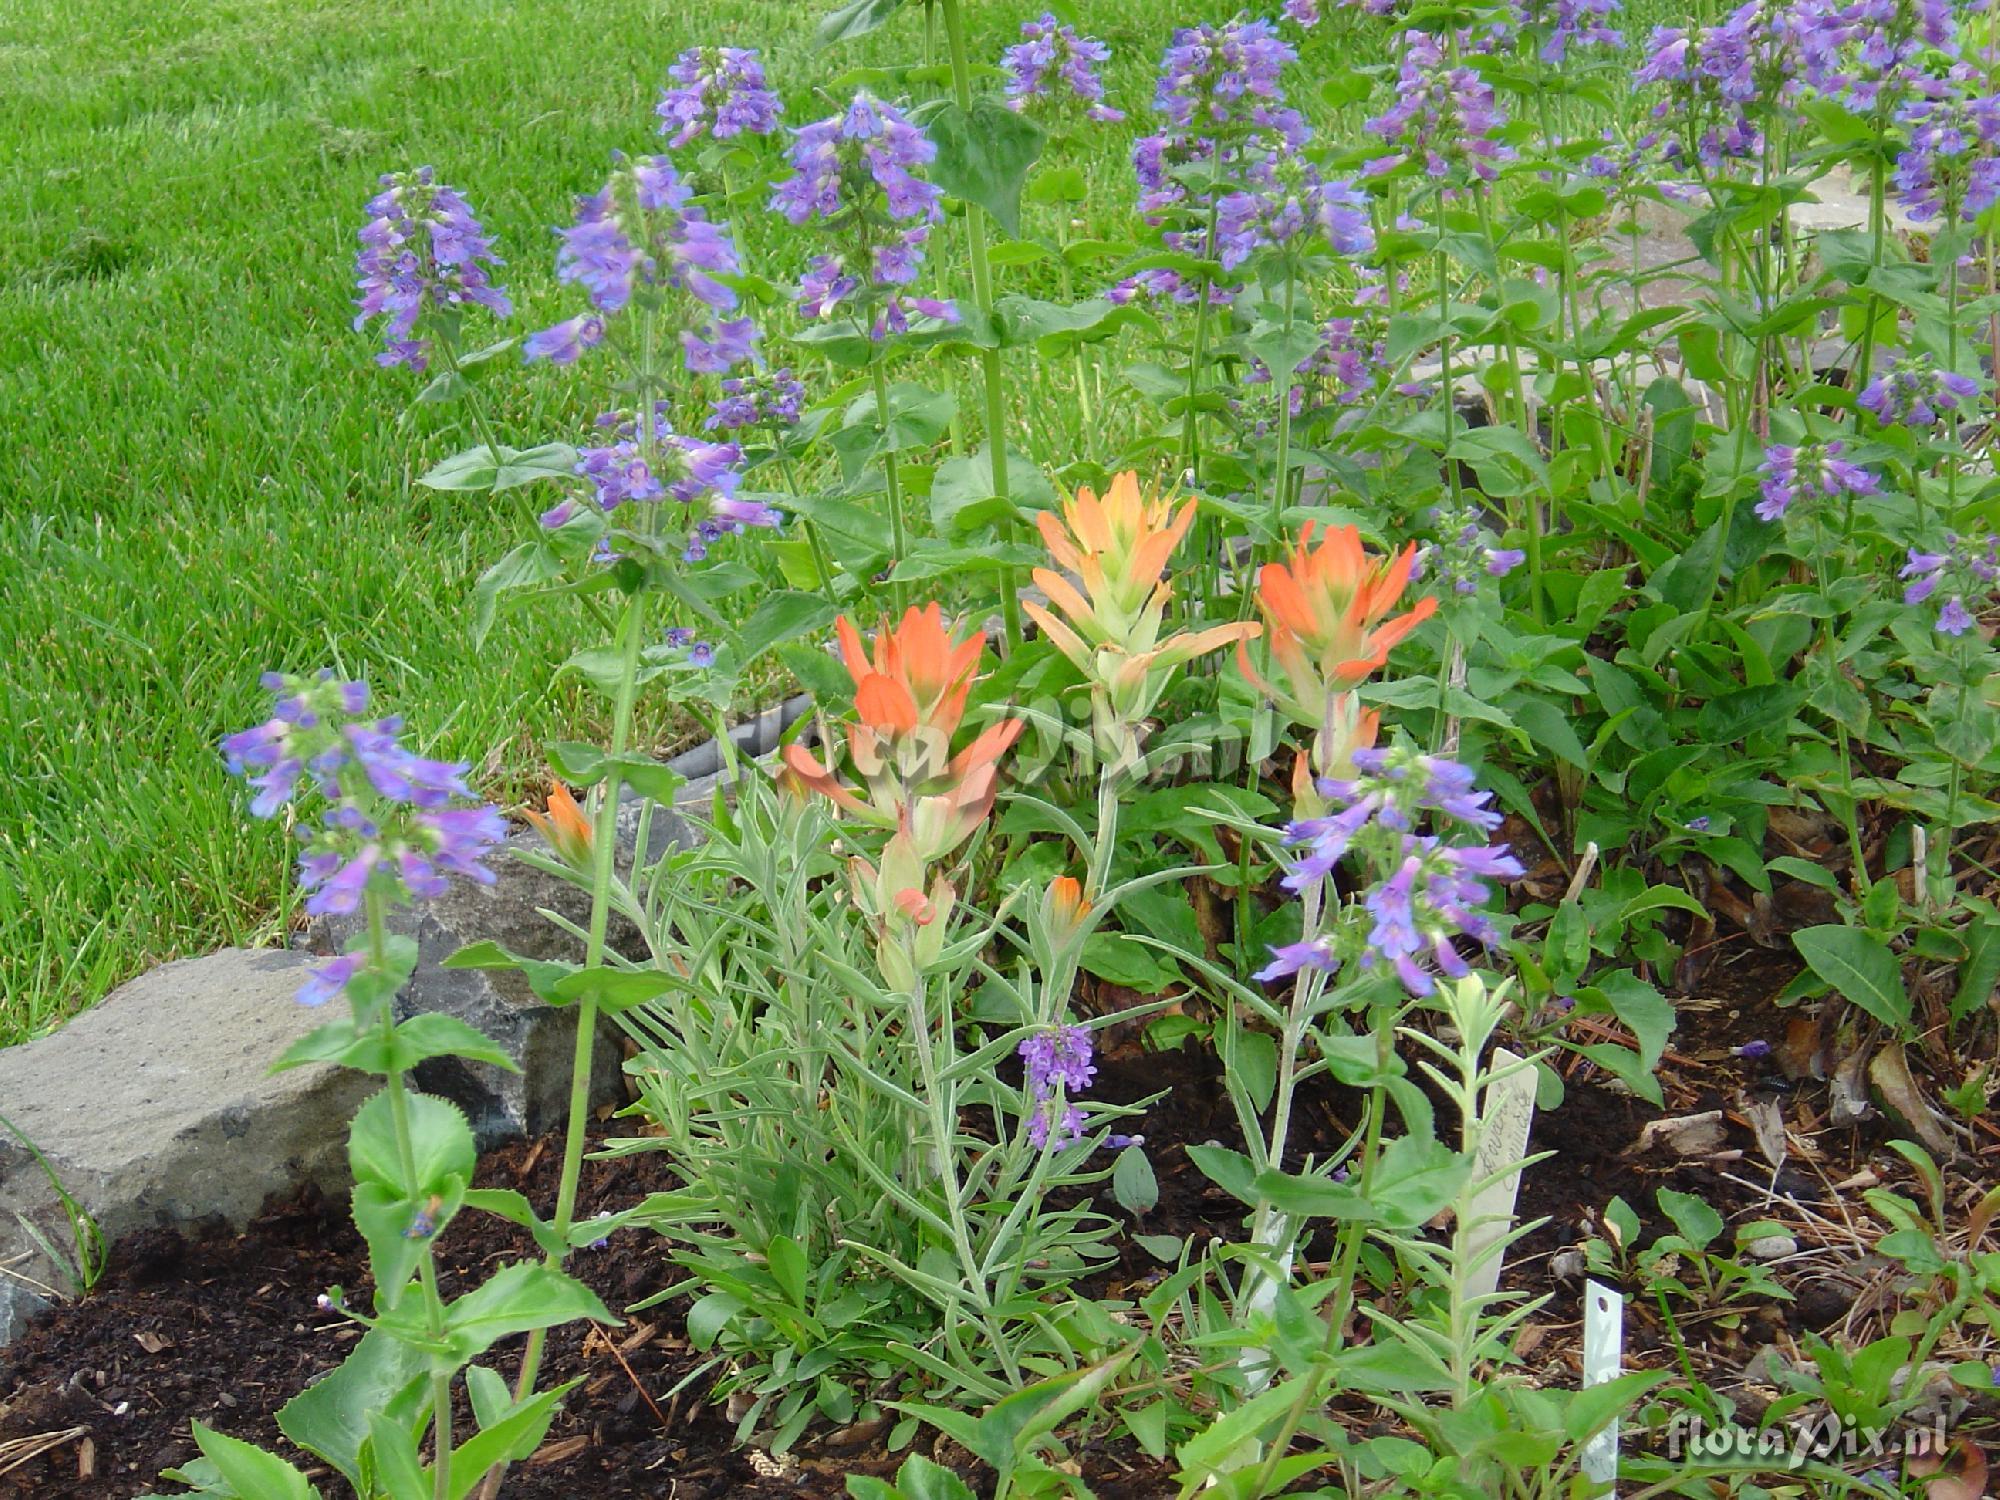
539,1038
157,1108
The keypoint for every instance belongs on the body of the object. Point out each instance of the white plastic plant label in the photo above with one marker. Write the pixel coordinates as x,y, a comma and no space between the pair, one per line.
1507,1113
1603,1354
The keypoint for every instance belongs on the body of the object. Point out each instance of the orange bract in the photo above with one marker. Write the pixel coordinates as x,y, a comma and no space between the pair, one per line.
1326,609
1119,547
910,693
564,826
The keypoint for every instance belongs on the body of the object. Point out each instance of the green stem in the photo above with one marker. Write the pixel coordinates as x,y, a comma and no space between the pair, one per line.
399,1117
891,479
989,359
1281,481
821,564
1348,1257
604,852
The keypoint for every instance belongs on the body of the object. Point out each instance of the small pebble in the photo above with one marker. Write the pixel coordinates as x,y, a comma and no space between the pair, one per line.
1567,1265
1771,1247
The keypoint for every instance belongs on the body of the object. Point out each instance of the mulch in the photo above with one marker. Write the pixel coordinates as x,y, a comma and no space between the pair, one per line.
223,1329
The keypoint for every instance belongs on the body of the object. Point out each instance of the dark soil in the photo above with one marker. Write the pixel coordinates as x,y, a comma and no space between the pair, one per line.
225,1330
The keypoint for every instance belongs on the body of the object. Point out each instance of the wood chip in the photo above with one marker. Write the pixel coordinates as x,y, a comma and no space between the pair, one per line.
1682,1135
561,1450
1767,1122
152,1342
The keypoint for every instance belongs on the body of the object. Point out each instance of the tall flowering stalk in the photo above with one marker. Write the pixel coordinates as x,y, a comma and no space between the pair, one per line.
858,175
1416,896
393,826
656,274
1051,54
640,244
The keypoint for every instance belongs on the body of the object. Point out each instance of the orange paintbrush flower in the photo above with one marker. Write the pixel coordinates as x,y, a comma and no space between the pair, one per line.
1326,609
1119,548
910,693
564,826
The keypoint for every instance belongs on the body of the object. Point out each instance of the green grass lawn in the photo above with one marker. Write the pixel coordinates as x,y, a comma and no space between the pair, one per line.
204,475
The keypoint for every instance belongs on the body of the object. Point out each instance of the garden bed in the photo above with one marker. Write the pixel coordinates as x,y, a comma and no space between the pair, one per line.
224,1329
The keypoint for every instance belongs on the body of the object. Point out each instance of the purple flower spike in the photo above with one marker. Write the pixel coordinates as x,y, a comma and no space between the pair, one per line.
643,236
1916,393
1813,470
718,91
389,821
1058,1065
1445,118
422,252
1425,895
1050,52
565,343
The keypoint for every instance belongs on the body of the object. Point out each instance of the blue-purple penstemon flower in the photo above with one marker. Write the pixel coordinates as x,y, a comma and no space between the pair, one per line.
1423,893
1445,118
642,238
1967,570
717,91
635,468
1059,1067
1806,472
1051,54
857,174
1726,80
1949,170
770,399
1297,210
422,252
1555,26
1915,392
393,819
1465,553
1221,92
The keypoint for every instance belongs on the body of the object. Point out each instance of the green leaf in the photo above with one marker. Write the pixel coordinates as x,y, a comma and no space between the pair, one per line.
963,497
387,1220
440,1141
516,1299
1980,973
249,1470
1115,958
505,1203
984,155
1698,1223
615,989
542,975
782,616
487,1390
475,468
1229,1170
1133,1183
434,1035
856,18
508,1440
1860,966
1253,1062
1011,1427
787,1265
329,1418
398,1470
577,763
